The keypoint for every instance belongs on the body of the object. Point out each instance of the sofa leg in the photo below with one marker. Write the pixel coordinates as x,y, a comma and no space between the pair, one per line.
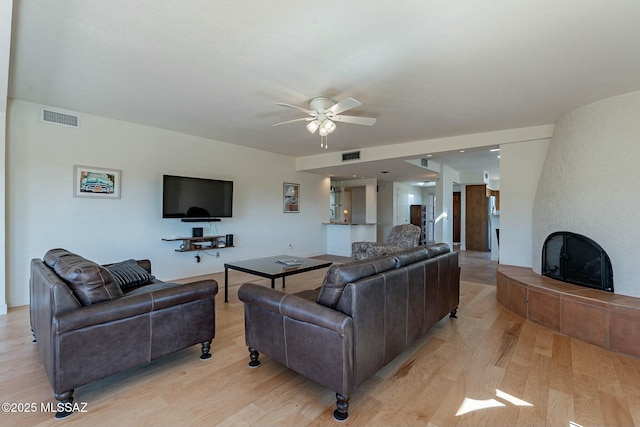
454,313
342,405
206,348
253,354
65,401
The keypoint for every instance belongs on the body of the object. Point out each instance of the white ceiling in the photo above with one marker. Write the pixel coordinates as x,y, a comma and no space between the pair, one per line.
424,69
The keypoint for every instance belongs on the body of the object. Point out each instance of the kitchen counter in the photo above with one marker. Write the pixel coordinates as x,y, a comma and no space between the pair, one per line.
340,236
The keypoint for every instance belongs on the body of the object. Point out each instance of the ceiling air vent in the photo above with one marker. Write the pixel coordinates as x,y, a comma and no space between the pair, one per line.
354,155
60,118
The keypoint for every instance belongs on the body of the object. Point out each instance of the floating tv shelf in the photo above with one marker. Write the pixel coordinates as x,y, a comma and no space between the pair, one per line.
200,243
200,219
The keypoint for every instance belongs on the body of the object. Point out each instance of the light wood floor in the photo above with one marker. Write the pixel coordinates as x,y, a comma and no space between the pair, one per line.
489,367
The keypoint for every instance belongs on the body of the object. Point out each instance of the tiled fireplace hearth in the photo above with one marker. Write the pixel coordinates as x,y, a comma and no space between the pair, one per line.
592,315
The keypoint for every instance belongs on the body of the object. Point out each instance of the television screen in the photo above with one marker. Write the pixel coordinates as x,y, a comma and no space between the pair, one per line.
193,199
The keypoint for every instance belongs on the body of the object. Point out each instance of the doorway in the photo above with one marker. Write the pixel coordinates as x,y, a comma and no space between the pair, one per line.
457,209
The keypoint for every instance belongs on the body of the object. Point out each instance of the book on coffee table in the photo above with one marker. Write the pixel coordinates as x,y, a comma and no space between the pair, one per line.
290,261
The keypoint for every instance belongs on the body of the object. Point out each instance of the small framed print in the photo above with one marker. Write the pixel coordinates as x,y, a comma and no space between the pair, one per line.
291,197
95,182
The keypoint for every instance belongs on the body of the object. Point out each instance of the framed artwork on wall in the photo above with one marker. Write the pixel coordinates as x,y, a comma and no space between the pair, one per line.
101,183
291,197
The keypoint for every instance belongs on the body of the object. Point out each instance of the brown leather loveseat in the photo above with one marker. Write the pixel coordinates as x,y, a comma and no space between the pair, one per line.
91,321
365,314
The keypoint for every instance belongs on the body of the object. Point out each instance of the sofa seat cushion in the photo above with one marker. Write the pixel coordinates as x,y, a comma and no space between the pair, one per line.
309,294
90,283
129,275
339,275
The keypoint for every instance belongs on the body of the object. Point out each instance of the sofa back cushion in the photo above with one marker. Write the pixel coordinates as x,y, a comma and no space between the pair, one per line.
89,282
339,275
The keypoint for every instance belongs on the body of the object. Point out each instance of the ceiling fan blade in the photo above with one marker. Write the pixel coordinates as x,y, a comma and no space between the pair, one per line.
367,121
311,112
308,119
344,105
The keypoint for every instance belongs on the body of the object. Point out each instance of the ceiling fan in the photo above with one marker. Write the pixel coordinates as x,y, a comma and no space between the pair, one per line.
324,112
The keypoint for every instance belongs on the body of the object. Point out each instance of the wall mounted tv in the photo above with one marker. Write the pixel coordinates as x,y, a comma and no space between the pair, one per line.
196,199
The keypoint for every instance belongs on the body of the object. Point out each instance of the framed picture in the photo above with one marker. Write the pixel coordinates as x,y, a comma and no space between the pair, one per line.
291,197
96,182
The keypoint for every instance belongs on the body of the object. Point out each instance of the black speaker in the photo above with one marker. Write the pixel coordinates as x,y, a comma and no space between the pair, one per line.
229,239
196,232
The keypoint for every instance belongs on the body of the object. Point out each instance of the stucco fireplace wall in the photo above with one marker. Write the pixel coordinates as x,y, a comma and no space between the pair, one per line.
590,185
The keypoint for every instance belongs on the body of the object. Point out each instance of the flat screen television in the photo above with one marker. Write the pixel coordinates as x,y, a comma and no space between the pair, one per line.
196,199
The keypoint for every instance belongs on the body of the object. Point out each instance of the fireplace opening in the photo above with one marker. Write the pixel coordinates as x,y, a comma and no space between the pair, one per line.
576,259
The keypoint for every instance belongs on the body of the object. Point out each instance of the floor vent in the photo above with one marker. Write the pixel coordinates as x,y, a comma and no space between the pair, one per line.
354,155
59,118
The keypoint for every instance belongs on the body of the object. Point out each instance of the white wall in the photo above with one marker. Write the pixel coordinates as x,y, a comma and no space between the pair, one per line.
385,209
6,7
520,168
42,214
589,184
444,205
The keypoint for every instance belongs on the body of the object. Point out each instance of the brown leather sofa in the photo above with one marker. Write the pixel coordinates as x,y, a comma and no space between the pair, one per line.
86,327
365,314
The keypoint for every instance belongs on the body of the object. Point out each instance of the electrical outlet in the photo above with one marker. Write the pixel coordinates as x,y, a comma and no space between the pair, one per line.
217,254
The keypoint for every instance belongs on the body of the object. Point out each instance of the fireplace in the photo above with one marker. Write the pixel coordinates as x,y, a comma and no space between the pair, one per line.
576,259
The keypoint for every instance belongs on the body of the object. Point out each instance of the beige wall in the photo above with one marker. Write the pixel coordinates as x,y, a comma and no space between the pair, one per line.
42,213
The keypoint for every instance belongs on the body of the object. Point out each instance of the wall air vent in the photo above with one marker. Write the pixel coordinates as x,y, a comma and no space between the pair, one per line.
60,118
354,155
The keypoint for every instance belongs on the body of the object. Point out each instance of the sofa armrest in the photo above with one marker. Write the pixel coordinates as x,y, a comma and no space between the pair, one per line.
130,306
294,307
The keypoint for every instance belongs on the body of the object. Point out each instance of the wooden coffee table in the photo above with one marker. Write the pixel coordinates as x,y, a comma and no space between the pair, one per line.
270,268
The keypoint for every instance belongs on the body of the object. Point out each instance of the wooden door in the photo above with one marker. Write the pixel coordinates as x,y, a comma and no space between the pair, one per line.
477,218
456,216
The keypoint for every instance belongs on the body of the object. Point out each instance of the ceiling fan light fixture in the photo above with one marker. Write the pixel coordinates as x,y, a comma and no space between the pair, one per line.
329,126
323,131
312,126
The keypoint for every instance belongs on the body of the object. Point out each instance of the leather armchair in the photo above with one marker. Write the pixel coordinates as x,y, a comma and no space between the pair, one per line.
401,237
